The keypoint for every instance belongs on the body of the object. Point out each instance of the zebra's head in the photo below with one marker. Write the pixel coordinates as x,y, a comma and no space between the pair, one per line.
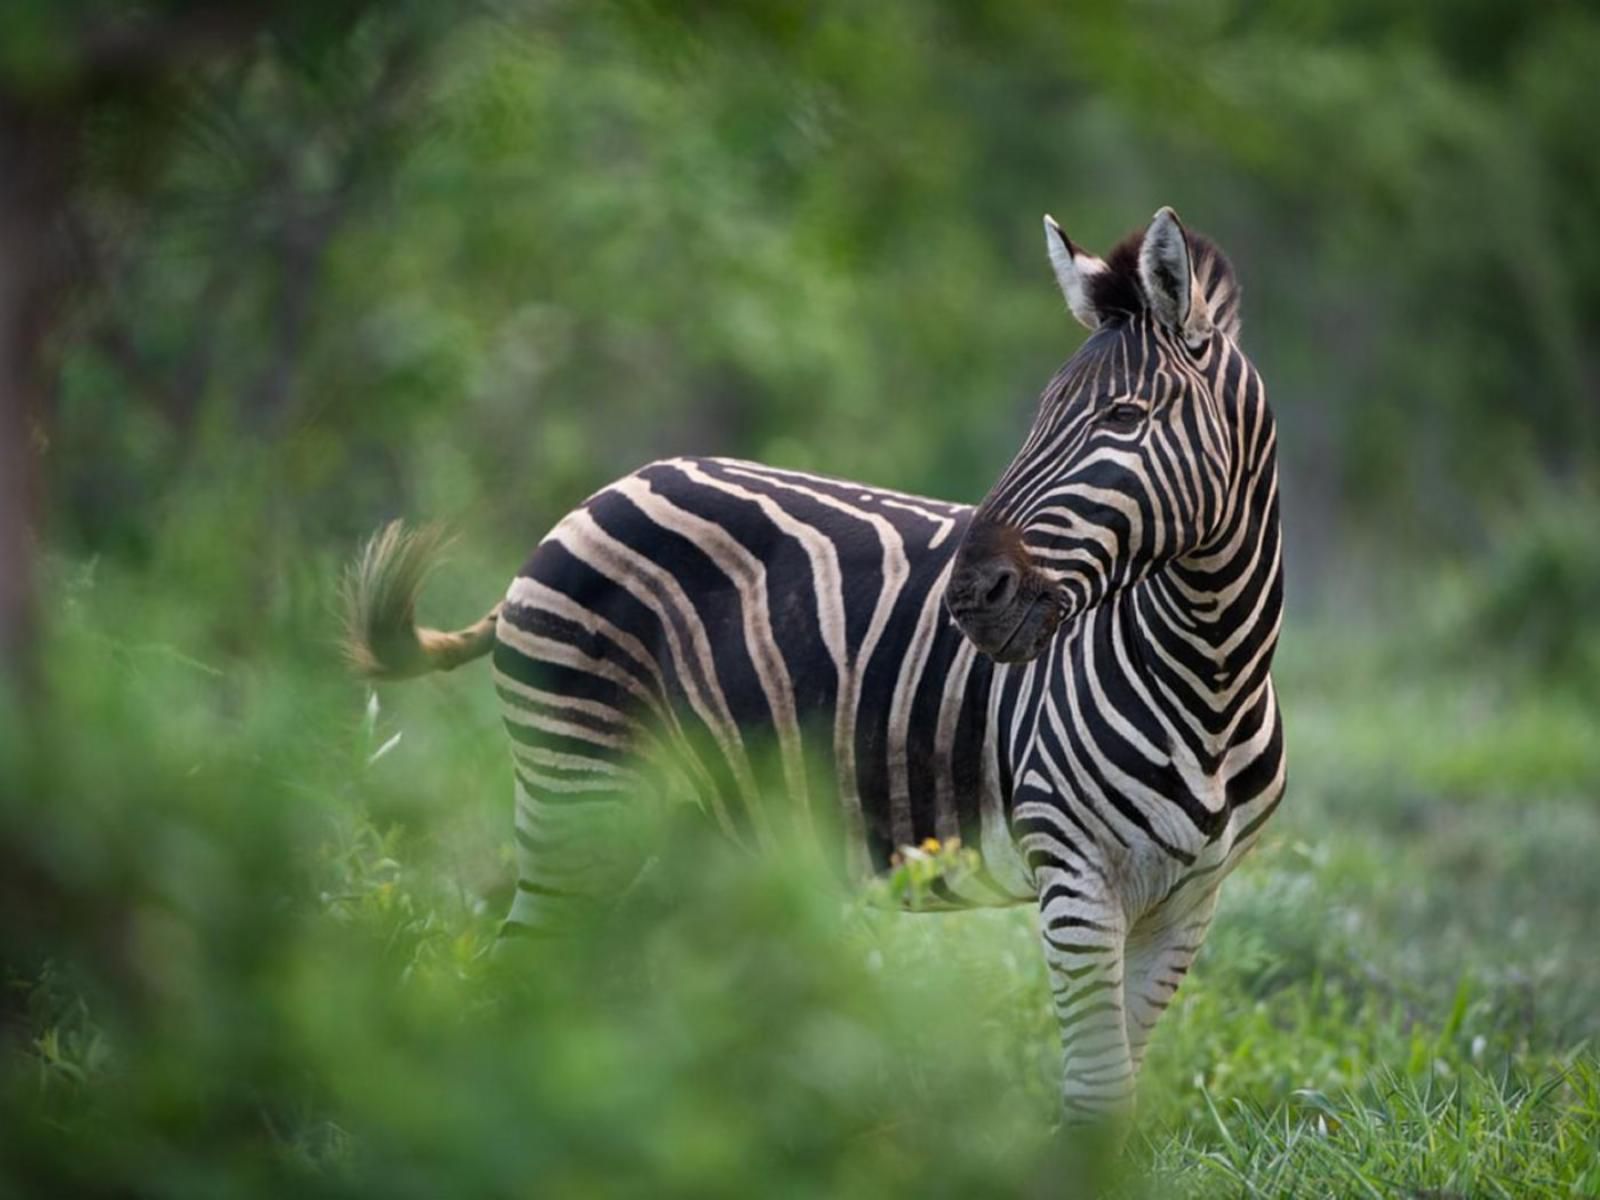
1129,461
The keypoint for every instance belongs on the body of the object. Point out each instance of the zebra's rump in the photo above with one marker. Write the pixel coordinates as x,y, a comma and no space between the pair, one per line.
770,643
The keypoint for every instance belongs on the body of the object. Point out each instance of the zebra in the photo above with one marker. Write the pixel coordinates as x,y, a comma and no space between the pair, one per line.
1072,678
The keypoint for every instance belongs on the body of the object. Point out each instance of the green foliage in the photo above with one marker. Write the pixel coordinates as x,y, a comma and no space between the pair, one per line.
470,262
915,869
1533,601
277,975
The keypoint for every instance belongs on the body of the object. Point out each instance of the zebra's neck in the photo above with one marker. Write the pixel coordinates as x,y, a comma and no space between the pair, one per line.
1206,626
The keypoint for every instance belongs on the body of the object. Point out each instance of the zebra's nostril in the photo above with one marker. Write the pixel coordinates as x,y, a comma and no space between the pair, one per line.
1001,589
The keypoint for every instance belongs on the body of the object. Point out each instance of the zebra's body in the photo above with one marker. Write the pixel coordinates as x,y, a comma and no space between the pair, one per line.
1073,677
732,614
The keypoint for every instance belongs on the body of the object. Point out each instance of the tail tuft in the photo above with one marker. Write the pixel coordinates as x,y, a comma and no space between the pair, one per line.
382,640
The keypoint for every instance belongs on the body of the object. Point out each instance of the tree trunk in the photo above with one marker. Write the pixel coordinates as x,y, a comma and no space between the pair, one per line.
37,144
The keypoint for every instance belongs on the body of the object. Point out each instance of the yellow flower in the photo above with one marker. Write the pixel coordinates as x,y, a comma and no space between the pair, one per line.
930,845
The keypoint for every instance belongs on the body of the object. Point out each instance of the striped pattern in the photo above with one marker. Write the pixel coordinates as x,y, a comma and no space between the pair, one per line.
713,630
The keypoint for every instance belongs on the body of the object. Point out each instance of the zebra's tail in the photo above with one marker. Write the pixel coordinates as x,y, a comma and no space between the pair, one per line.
381,637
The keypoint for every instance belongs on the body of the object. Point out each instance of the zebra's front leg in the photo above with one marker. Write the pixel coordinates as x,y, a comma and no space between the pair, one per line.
1159,952
1083,931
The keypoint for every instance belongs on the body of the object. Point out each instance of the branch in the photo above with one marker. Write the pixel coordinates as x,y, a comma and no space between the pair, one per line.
137,49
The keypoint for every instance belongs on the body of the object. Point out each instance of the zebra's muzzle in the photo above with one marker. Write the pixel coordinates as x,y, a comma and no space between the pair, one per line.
1001,603
1031,633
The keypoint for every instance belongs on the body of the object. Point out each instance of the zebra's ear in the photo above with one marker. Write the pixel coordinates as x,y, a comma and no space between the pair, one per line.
1073,269
1166,273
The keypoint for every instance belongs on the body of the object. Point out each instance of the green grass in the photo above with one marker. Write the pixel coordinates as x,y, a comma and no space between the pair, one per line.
262,965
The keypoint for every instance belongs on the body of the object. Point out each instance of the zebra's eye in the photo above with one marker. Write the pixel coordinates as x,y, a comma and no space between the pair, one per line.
1123,416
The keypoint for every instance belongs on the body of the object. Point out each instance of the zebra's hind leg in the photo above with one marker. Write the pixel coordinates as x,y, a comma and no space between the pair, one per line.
1159,953
1082,930
574,853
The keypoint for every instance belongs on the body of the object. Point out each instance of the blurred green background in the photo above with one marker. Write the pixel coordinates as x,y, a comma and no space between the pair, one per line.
272,273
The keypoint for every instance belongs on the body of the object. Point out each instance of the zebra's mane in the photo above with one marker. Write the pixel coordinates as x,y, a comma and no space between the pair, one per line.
1117,288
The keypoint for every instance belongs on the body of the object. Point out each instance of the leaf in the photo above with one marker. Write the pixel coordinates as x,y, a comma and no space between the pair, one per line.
384,749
